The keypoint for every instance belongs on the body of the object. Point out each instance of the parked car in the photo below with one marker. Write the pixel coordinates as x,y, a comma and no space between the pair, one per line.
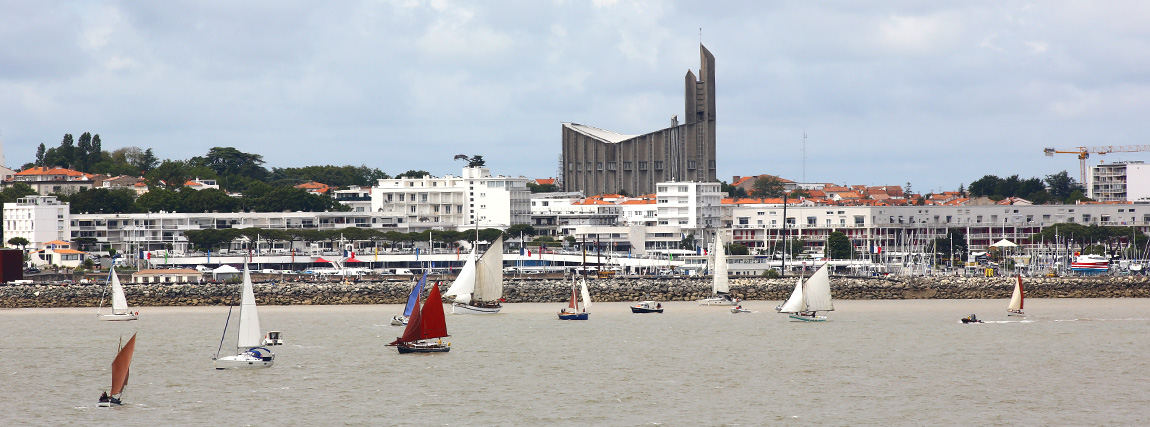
32,270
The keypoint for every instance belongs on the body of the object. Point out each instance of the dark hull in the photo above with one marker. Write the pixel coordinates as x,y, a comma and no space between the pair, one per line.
574,316
646,310
404,349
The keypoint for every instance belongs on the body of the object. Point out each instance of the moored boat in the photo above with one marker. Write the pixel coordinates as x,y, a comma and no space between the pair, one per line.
416,291
970,319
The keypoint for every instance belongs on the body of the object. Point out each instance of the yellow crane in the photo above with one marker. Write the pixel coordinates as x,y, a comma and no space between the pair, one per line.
1085,152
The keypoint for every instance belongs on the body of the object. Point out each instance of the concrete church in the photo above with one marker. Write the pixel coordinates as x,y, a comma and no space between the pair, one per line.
597,161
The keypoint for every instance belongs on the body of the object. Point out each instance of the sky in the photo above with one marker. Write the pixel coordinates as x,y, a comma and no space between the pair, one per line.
935,94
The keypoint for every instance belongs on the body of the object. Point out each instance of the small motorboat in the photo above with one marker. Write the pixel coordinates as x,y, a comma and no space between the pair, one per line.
273,338
647,307
971,319
739,309
398,320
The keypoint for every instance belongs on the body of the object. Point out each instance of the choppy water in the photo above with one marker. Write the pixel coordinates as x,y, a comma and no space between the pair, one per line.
1072,362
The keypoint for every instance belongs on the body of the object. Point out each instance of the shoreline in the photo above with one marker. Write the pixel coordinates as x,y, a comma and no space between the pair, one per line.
558,290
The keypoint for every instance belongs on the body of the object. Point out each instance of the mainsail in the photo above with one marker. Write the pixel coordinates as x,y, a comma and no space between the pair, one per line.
119,302
586,294
1017,297
120,366
489,274
427,323
464,283
720,284
249,335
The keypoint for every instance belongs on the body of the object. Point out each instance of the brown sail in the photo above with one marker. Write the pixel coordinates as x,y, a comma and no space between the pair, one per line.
120,366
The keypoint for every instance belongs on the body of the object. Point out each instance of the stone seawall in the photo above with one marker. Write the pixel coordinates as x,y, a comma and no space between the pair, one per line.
620,289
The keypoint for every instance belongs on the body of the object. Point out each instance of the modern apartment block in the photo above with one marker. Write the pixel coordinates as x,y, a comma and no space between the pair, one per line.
38,219
598,161
1119,182
476,198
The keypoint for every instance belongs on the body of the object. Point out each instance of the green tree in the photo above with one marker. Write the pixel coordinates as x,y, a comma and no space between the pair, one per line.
953,246
525,229
19,241
101,200
733,191
839,246
414,174
985,186
170,174
737,249
1062,187
541,188
40,151
688,242
768,187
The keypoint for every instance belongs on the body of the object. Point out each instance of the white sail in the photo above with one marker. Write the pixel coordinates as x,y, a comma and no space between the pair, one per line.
817,291
794,304
119,302
249,335
464,283
1016,298
720,282
489,273
586,295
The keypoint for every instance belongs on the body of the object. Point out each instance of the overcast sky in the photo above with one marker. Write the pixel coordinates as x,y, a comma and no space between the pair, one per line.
937,94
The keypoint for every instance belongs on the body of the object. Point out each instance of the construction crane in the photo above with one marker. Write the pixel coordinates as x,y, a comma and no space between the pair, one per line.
1085,152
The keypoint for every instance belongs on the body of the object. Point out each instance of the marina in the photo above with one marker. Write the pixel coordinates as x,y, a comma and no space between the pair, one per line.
874,363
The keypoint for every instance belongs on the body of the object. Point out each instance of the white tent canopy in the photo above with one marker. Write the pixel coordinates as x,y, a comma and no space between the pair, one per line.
1004,244
225,272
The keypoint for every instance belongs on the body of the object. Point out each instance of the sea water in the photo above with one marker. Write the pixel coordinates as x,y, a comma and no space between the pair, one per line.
1069,362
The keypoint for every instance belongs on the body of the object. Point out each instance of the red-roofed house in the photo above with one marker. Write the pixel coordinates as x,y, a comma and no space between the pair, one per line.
56,180
314,187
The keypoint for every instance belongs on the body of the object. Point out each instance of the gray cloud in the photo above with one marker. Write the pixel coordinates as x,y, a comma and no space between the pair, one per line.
936,94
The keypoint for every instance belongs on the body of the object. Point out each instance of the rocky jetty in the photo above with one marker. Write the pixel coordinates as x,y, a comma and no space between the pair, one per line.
556,290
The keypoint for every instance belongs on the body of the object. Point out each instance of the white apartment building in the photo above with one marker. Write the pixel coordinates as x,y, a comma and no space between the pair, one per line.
694,206
1120,181
356,197
474,199
39,219
561,213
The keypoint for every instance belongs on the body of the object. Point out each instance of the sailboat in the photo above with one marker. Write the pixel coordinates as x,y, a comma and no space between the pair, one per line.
426,328
120,366
248,340
478,289
809,298
119,302
573,311
1015,307
720,287
412,300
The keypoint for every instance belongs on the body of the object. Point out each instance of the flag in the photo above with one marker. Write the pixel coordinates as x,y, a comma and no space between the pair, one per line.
147,255
417,254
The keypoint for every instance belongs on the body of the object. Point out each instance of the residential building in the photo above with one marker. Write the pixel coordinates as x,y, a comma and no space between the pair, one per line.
56,180
598,161
1119,181
38,219
475,199
694,206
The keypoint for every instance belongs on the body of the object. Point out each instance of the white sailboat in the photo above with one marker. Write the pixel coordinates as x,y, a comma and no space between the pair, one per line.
809,298
720,283
248,340
479,287
119,302
1015,307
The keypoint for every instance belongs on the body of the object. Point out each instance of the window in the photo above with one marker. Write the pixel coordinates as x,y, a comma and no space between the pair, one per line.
599,166
691,164
626,166
642,166
744,220
658,165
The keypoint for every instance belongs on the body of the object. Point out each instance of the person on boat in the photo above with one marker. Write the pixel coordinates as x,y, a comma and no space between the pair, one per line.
104,396
659,305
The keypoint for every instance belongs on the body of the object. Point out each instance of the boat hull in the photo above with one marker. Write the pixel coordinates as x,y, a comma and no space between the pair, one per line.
398,321
407,348
573,316
118,317
740,310
457,308
645,310
244,361
1016,314
719,301
796,317
109,403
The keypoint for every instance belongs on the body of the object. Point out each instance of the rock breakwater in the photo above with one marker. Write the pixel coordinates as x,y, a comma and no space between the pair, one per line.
605,290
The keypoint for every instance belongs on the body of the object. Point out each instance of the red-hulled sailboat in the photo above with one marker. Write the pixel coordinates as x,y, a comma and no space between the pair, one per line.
425,328
119,373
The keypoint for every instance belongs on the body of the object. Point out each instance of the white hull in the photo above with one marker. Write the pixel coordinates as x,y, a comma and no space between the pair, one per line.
118,317
398,321
273,342
1016,314
457,308
718,301
243,361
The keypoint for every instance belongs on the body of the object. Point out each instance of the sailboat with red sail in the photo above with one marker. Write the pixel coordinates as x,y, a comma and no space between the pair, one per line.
425,328
119,374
